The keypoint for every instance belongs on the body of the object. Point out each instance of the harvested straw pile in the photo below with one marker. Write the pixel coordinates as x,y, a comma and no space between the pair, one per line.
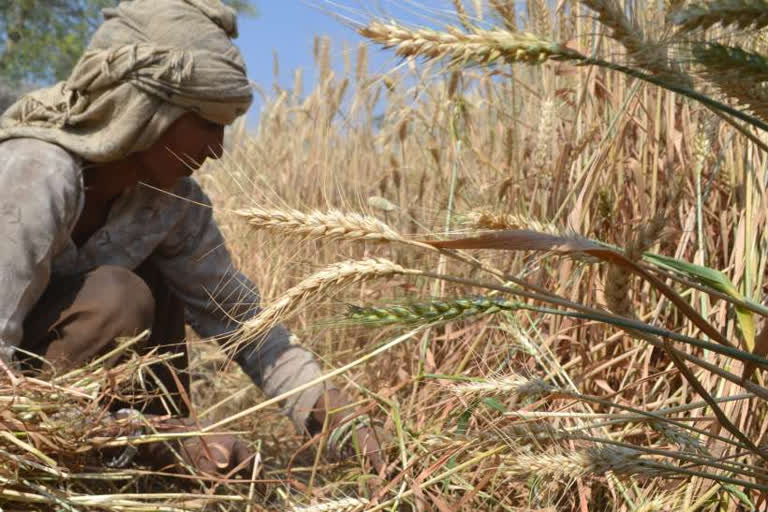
62,449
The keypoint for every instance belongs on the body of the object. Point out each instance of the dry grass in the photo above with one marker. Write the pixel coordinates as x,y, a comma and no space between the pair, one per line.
498,402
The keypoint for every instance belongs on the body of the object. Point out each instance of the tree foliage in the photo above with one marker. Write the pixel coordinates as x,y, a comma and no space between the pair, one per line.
41,40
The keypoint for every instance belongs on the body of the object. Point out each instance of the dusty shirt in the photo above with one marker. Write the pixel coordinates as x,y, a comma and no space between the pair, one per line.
41,198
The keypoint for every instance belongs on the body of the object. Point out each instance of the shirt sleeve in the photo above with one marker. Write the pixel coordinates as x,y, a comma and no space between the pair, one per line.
40,201
195,261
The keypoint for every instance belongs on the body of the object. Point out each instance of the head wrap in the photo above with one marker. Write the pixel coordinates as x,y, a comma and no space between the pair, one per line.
149,63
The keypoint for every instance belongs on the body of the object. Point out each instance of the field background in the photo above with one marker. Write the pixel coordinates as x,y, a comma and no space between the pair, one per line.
433,150
518,407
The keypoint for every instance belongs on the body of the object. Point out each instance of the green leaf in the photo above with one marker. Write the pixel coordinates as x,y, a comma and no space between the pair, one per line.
739,495
494,404
463,423
716,280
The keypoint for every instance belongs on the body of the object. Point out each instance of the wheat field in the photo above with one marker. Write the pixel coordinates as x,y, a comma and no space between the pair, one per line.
533,252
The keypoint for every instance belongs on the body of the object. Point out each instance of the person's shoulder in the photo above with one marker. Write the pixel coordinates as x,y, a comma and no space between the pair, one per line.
39,172
36,157
37,150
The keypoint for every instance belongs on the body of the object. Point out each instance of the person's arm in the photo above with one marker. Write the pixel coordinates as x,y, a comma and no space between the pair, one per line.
199,269
40,200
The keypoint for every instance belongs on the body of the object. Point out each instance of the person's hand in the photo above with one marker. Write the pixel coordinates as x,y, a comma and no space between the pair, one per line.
350,433
220,454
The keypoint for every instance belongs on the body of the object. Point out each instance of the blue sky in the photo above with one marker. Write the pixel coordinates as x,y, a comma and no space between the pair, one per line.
289,27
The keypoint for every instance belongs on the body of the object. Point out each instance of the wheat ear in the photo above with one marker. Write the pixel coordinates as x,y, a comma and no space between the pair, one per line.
736,73
643,50
329,279
484,219
480,46
341,505
425,312
330,225
593,461
742,13
508,386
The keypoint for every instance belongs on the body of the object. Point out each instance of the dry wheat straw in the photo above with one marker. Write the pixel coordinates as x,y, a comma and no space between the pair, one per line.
330,279
742,13
480,46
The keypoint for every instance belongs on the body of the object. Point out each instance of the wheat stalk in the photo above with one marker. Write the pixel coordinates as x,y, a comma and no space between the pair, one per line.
742,13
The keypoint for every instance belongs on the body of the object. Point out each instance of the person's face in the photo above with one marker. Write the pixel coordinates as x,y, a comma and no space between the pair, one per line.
180,151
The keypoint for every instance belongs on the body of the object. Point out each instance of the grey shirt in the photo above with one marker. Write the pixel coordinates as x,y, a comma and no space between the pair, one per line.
41,197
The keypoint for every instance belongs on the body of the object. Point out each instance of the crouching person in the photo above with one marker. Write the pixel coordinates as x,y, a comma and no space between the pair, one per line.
106,234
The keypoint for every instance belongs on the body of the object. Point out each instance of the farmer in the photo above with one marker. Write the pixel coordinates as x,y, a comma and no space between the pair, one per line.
105,234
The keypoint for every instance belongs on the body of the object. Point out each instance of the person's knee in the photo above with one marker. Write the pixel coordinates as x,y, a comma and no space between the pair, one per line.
124,300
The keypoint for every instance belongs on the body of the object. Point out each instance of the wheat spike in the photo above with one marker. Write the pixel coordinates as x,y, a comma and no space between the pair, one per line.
330,225
511,385
480,46
742,13
461,12
736,73
434,311
342,505
593,461
542,153
733,62
730,62
506,10
644,51
483,219
331,278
